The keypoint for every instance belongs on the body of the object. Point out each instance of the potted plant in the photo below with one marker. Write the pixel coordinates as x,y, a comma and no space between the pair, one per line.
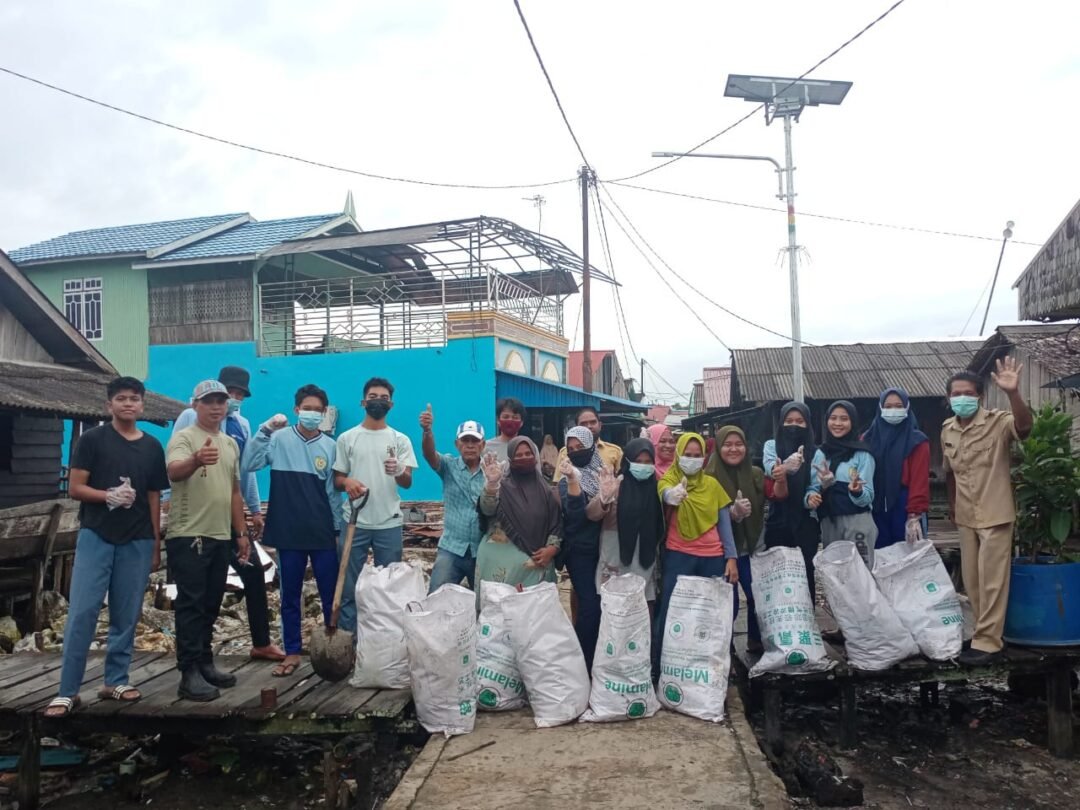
1044,588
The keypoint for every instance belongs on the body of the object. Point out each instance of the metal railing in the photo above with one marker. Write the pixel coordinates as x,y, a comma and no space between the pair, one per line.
368,313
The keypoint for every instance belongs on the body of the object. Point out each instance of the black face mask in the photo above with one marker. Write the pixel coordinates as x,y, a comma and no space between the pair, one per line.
795,434
581,458
377,408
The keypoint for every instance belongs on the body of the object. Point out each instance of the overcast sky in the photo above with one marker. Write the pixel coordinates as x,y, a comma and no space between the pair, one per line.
962,116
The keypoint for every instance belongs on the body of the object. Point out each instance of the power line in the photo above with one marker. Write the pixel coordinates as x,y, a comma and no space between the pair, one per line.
662,379
270,152
832,218
760,107
551,85
620,310
975,308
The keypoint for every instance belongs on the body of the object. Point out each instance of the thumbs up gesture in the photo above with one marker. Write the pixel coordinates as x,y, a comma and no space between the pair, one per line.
741,508
794,462
676,494
208,454
427,418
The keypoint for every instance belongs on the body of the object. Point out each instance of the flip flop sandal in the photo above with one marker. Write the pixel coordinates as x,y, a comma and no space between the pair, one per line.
68,704
284,670
124,693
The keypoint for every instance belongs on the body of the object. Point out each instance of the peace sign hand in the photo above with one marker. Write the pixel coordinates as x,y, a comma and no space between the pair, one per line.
855,485
826,476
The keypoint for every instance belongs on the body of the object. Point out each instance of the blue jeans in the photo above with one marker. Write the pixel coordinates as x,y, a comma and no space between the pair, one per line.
746,581
676,564
387,545
581,562
293,566
101,568
452,568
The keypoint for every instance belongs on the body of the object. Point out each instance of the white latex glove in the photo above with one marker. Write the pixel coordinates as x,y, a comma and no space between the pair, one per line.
609,485
493,471
275,422
676,494
392,466
568,471
795,461
741,508
121,497
913,530
826,476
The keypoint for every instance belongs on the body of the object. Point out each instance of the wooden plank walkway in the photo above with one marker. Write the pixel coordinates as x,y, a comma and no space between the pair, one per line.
306,704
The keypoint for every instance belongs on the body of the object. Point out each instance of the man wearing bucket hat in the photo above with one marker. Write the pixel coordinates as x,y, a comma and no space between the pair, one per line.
237,381
463,482
206,527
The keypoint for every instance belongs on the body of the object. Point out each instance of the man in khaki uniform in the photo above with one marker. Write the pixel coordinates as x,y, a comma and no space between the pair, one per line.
206,522
976,449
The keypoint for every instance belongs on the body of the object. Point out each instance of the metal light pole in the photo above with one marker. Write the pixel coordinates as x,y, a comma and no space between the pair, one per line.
1005,236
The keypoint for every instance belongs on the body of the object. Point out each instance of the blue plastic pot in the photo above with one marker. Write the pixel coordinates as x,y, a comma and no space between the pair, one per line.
1044,603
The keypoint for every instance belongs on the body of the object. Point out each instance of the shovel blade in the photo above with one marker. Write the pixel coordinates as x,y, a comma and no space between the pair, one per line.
333,653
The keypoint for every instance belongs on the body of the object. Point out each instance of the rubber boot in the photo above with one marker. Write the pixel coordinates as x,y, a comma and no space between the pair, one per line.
215,676
193,686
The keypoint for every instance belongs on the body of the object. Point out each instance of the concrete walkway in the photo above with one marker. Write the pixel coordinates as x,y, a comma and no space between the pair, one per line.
668,760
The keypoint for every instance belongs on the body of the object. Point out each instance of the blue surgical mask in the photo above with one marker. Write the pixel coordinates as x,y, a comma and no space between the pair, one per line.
894,416
310,420
964,406
232,406
642,472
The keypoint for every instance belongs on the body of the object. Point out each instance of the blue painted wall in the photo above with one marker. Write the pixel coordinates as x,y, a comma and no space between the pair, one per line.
560,363
505,347
457,379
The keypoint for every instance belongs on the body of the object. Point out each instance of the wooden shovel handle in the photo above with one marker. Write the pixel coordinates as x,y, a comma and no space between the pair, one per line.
343,568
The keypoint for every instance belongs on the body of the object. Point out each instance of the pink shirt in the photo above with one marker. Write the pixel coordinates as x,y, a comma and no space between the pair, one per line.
708,545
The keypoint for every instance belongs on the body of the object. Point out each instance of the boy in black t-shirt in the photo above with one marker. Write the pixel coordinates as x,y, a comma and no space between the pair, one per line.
118,473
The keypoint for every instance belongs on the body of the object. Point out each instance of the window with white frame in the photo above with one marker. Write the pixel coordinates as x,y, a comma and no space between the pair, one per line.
82,305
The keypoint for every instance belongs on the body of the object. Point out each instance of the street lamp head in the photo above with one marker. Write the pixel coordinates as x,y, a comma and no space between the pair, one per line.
1008,232
663,154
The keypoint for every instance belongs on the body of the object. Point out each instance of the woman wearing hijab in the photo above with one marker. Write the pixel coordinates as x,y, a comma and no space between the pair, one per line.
699,541
842,489
520,518
745,485
663,441
631,518
787,460
902,475
578,485
549,456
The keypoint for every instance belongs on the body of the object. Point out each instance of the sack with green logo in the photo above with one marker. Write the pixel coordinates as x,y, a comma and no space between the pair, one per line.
874,637
695,654
622,667
914,580
440,636
497,674
785,614
548,655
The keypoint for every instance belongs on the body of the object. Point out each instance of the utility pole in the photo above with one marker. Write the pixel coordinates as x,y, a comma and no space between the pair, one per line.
793,266
642,387
585,176
1005,236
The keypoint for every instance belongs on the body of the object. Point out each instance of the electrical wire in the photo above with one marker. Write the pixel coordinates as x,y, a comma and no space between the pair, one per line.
620,311
975,308
270,152
760,107
831,218
551,85
662,379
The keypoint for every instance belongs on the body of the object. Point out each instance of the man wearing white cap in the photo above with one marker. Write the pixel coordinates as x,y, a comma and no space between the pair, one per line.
463,481
206,523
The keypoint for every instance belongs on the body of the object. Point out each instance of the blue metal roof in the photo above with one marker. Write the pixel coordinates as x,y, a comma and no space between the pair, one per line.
246,239
537,393
123,239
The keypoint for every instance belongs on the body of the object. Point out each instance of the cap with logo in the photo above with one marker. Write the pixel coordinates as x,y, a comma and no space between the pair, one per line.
470,428
208,387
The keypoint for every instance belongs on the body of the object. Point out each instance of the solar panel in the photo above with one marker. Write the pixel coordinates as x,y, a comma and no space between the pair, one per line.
769,89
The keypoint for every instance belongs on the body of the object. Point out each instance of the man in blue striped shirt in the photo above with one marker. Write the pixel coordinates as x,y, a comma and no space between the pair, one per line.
462,482
304,509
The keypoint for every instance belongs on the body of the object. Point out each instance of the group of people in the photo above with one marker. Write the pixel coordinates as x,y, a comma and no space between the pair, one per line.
662,507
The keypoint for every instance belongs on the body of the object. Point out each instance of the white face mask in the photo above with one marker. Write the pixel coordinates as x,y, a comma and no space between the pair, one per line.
691,466
894,416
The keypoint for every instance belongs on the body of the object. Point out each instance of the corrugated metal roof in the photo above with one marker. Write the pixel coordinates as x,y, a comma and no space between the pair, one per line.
246,239
1048,344
856,370
717,387
122,239
70,392
536,393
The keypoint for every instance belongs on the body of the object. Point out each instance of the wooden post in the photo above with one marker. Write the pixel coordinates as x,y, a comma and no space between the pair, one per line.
849,736
331,778
774,707
37,586
28,791
1059,707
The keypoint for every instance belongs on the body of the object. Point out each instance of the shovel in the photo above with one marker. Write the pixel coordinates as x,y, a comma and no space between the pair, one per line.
333,651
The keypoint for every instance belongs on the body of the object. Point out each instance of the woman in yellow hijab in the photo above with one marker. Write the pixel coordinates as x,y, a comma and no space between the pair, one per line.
699,540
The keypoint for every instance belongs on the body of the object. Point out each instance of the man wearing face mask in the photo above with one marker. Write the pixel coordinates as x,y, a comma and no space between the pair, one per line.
305,514
374,458
236,381
610,454
975,445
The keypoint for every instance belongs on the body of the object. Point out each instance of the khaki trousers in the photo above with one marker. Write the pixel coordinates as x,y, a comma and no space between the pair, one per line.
986,560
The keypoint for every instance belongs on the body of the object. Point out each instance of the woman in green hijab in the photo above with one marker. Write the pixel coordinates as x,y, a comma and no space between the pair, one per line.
745,485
